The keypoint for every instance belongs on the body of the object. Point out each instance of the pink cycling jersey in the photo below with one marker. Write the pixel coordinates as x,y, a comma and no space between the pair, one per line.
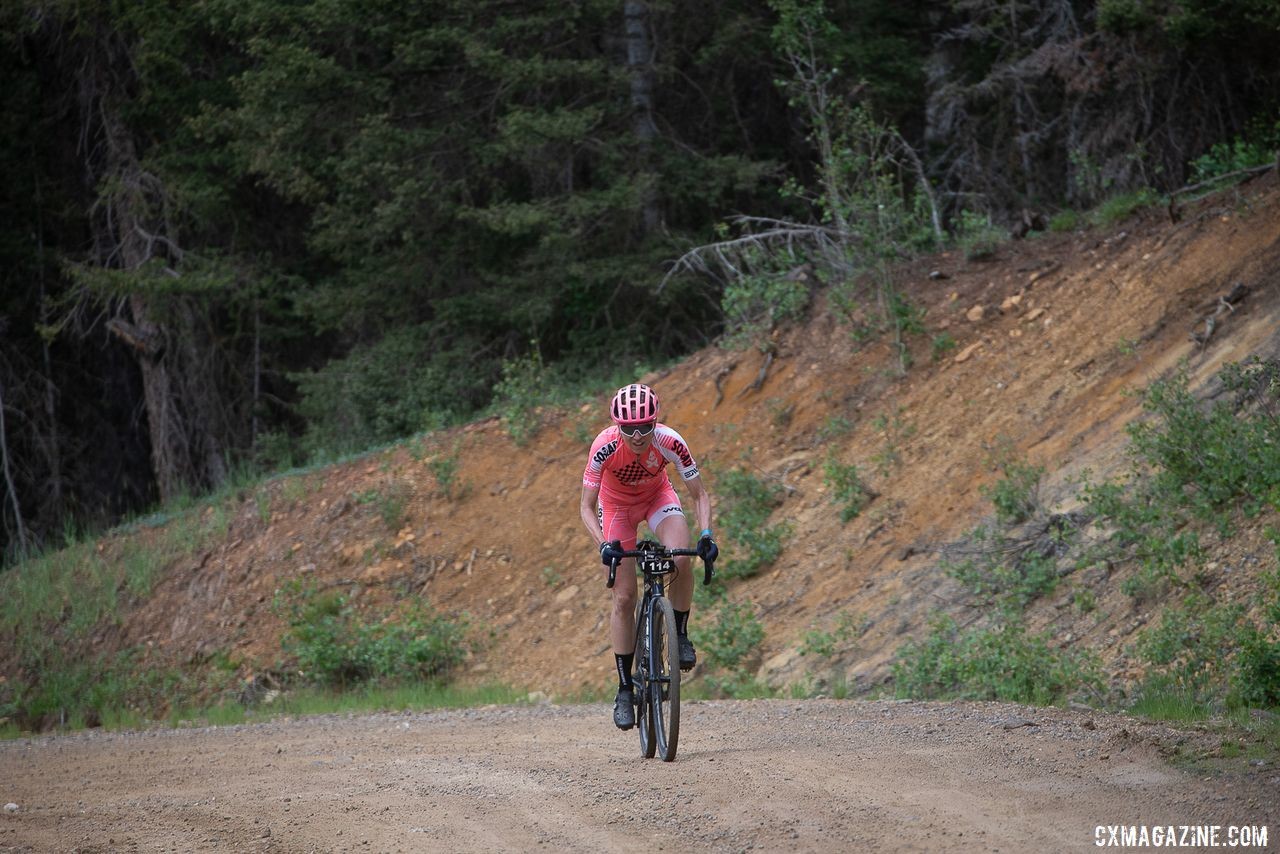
624,478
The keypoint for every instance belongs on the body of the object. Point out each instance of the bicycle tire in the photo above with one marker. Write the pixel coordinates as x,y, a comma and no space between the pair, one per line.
664,692
640,689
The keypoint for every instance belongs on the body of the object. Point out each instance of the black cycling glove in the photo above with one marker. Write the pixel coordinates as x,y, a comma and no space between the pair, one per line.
707,549
610,552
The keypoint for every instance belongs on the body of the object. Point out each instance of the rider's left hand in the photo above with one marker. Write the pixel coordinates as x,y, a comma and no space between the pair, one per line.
707,549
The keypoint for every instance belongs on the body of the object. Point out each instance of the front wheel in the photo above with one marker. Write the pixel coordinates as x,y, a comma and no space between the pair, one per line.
664,679
640,688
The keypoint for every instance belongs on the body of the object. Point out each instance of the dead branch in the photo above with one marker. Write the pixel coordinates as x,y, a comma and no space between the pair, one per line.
1218,179
724,372
1041,537
760,377
1224,305
147,343
764,235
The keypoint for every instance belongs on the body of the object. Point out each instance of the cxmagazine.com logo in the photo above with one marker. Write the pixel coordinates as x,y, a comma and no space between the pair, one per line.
1180,836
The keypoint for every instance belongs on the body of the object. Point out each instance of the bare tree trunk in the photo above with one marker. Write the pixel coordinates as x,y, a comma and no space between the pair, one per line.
51,442
8,480
640,70
186,449
257,375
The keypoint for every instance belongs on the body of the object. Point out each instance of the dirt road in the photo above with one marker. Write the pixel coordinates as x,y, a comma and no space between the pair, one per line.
765,775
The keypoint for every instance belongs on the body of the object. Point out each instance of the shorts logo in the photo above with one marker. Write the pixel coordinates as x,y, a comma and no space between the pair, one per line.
672,509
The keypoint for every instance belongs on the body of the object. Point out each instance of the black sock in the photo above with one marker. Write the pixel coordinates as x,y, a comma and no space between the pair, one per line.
624,668
682,623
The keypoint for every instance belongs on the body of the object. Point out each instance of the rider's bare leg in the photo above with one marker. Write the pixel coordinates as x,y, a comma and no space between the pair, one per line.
622,620
674,534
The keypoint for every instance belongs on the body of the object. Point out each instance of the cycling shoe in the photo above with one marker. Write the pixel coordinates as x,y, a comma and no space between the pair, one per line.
688,655
624,709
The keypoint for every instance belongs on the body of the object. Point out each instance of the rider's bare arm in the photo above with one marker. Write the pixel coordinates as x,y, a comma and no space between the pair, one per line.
701,501
590,498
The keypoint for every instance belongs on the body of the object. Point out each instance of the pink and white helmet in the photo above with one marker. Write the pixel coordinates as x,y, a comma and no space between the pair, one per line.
634,404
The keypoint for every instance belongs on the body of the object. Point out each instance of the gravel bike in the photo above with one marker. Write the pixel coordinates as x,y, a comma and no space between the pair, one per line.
656,677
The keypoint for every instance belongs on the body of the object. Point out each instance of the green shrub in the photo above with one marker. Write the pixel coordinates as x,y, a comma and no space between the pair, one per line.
730,643
1002,573
1147,527
847,487
335,646
1226,157
833,427
943,344
1016,496
1208,651
444,468
400,385
1192,462
390,501
746,503
1067,220
518,394
755,303
1125,16
1002,662
976,236
1206,458
1084,600
823,643
896,430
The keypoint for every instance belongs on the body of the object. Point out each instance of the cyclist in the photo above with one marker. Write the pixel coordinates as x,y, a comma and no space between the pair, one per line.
625,483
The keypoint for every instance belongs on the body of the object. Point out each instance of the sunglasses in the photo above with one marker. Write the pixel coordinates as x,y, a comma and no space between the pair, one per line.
635,431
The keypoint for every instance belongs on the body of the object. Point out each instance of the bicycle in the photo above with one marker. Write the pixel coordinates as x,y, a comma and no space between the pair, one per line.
656,675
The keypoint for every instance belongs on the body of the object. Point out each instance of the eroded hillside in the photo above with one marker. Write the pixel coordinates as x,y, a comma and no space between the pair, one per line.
1048,339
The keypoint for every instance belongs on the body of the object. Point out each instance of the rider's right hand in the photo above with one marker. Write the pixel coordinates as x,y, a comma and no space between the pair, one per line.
610,552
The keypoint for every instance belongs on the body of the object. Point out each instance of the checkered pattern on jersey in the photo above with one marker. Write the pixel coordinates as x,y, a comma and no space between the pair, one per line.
632,473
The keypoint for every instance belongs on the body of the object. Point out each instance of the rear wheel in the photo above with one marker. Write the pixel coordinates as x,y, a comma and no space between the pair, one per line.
640,689
664,689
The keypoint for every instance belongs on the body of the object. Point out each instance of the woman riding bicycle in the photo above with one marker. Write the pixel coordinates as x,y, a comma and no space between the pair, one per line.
625,483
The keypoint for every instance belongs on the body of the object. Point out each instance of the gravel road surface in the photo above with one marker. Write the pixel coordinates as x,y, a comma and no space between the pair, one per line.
776,775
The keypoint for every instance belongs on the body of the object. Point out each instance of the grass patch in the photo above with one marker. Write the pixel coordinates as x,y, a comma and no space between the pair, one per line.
56,690
1120,207
395,698
367,699
69,592
1175,706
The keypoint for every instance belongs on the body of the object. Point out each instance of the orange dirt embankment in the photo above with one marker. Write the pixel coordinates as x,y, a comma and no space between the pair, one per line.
1049,338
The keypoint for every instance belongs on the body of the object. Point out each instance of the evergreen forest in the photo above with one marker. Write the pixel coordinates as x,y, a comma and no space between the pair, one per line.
244,235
